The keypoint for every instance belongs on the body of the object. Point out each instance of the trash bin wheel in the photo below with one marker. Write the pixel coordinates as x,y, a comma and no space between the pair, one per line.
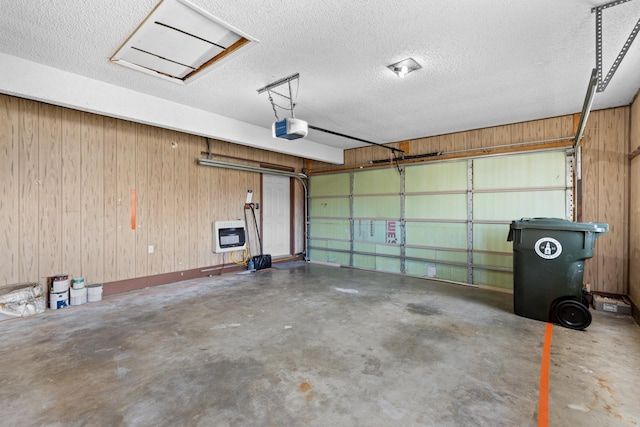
573,314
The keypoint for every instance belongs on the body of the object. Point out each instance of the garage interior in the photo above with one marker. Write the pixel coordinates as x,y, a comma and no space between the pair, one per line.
389,300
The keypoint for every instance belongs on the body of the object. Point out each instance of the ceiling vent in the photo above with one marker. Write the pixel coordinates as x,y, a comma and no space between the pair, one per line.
179,41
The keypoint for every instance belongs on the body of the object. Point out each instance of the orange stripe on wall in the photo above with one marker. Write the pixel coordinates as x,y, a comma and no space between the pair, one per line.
133,209
543,404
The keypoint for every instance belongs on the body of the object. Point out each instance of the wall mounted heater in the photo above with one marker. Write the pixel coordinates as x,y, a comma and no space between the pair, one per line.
229,236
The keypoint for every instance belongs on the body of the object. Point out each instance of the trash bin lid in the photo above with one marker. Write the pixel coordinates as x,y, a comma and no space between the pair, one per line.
559,224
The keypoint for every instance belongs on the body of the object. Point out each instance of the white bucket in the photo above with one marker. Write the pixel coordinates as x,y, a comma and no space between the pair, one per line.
78,283
77,296
58,300
59,284
94,292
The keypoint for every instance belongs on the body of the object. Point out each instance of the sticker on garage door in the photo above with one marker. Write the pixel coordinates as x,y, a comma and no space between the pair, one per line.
548,248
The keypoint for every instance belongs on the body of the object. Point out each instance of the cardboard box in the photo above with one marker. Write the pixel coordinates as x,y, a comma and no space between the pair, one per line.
611,305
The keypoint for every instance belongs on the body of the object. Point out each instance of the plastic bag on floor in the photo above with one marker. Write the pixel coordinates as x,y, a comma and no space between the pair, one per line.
25,301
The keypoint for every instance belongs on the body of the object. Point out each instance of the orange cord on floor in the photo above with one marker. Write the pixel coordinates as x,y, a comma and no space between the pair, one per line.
543,404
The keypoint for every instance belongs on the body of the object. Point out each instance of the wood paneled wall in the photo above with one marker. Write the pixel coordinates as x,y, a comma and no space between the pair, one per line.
68,176
460,143
605,175
605,197
67,179
634,205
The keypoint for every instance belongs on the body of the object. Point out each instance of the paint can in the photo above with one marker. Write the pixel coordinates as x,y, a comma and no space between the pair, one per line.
94,292
59,283
58,300
77,296
78,283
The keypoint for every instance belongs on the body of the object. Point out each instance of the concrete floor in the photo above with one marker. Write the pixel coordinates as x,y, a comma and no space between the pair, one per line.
312,346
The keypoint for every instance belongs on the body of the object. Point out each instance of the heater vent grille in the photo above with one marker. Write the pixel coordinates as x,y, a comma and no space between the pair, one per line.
229,236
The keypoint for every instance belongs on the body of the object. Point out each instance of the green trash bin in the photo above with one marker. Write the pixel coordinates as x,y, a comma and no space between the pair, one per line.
548,266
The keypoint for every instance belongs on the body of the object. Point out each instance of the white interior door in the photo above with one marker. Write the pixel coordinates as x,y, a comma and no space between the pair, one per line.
276,215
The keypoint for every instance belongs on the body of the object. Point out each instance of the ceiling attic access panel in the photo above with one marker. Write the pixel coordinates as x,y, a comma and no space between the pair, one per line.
179,41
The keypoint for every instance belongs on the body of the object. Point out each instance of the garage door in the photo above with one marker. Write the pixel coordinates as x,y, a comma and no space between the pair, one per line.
445,220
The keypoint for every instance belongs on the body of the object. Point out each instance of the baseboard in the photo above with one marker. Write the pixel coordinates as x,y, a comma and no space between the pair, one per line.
635,312
120,286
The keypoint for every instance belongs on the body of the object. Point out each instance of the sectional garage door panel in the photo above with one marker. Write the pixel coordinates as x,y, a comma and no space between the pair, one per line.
331,207
507,188
436,270
391,250
331,244
378,181
436,206
436,177
330,185
510,205
445,220
445,256
436,220
493,278
491,237
376,207
531,170
378,263
437,234
331,256
331,229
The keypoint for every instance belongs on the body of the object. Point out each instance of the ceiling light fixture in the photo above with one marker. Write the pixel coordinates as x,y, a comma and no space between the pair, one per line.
404,67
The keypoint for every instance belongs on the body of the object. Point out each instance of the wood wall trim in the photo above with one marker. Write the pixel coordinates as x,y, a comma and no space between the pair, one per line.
576,123
634,207
635,312
292,215
120,286
454,156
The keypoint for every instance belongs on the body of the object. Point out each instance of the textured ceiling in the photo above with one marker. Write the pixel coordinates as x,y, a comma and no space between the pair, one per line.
485,63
